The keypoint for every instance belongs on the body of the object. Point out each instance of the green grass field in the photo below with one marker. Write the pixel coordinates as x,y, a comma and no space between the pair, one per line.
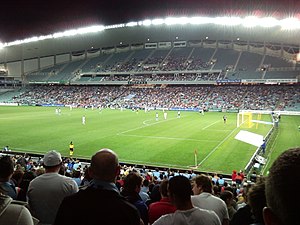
138,138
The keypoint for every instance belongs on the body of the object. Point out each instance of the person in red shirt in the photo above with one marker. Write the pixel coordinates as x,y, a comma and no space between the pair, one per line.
233,176
162,207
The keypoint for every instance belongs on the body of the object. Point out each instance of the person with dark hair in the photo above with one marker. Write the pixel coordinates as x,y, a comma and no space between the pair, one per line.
7,187
162,207
100,201
131,189
228,198
179,190
27,177
204,198
144,191
46,192
257,200
282,189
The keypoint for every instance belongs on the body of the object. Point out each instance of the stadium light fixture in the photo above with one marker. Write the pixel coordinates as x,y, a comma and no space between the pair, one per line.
158,21
131,24
228,21
250,21
183,20
289,24
268,22
147,22
176,20
200,20
90,29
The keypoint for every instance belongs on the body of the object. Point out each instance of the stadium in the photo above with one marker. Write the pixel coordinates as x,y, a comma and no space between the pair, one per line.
197,69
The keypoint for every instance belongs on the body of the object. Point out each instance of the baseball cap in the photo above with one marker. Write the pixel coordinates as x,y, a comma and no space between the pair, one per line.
52,158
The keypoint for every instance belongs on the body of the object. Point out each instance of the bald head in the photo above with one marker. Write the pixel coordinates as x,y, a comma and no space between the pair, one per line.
105,165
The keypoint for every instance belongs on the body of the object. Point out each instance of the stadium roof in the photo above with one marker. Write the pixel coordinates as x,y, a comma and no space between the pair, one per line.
26,19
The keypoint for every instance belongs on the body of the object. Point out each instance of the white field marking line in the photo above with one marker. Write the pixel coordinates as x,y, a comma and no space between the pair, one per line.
210,125
168,138
145,122
219,130
212,151
137,128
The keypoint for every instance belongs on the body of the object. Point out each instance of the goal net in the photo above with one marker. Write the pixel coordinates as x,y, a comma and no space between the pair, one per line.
244,119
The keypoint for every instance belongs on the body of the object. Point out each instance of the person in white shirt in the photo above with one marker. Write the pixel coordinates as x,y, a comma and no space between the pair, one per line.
204,199
165,115
180,195
46,192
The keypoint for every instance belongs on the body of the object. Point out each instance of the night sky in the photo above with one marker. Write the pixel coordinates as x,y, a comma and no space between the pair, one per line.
26,18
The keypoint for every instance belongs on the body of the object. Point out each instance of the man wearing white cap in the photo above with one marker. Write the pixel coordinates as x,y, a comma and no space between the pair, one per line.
46,192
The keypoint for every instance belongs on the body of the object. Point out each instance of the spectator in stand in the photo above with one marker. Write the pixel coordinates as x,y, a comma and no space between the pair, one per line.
282,189
76,175
221,181
204,199
100,201
243,215
257,200
14,213
233,176
238,179
144,191
179,190
26,179
228,197
162,207
46,192
132,186
7,187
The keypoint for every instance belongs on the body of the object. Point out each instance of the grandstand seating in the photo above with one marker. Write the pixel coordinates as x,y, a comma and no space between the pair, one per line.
256,97
224,64
225,58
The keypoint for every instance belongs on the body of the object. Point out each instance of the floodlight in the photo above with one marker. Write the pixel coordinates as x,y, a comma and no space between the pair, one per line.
44,37
70,32
147,22
200,20
250,21
58,35
90,29
228,21
131,24
32,39
183,20
158,21
289,24
268,22
1,45
176,20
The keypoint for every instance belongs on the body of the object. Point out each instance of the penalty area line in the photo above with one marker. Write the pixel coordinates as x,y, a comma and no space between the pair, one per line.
215,148
168,138
210,125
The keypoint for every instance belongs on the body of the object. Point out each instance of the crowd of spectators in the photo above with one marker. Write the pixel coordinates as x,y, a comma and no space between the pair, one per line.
48,190
210,97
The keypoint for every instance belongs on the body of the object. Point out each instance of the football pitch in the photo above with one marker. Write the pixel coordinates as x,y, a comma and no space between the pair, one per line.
138,138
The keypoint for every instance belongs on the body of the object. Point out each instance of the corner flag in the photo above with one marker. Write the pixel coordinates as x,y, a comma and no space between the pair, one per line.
195,156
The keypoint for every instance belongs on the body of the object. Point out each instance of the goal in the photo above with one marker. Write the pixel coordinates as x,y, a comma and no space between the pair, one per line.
244,119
